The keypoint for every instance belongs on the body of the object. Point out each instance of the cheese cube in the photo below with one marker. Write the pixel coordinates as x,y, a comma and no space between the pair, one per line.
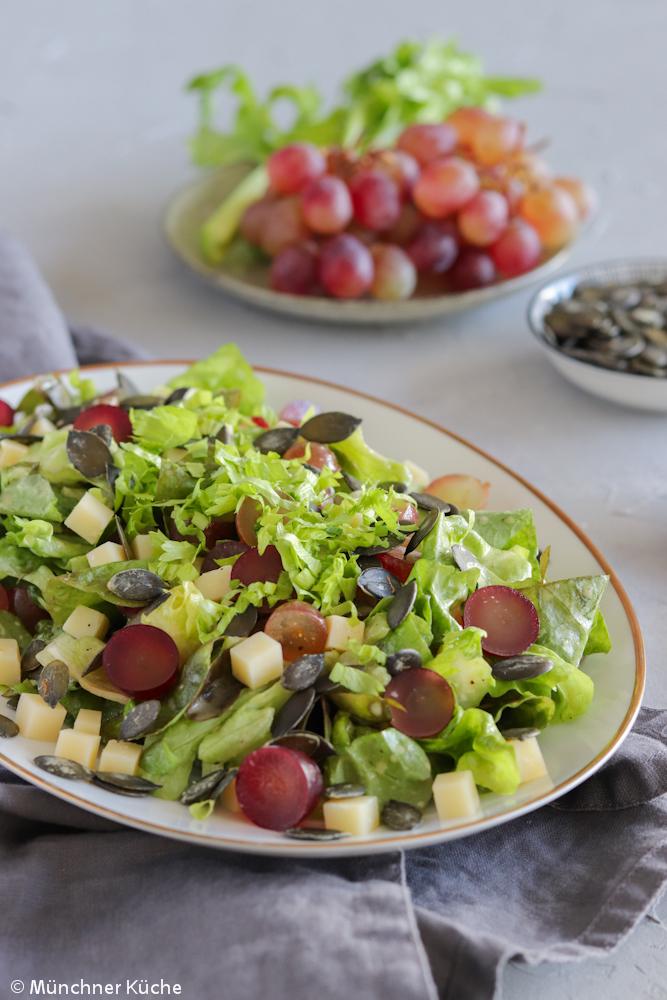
215,583
37,720
529,759
121,757
142,547
257,660
420,477
228,798
341,630
88,720
97,682
455,795
86,621
78,746
10,661
42,426
11,453
110,552
359,815
89,518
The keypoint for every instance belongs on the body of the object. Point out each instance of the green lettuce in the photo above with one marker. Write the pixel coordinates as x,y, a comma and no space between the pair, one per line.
599,640
460,661
247,727
11,628
357,458
30,496
568,610
40,538
474,743
62,594
440,587
186,616
355,679
390,765
226,368
164,426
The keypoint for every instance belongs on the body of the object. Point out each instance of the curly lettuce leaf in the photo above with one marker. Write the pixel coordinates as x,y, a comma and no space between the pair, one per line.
460,661
440,587
599,640
390,765
357,458
226,368
568,610
474,743
11,628
30,496
164,426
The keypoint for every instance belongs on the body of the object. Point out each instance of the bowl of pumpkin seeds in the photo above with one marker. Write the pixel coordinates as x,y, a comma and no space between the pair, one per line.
604,327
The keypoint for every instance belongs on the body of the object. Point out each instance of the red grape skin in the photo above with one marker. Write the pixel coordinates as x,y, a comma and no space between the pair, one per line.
141,660
294,270
26,608
400,166
317,455
473,269
346,267
376,199
6,414
246,520
553,213
294,411
219,529
114,417
496,139
428,142
251,567
434,247
518,249
427,702
582,194
283,226
277,787
223,550
445,186
4,599
509,619
299,628
326,205
466,122
483,219
293,166
397,567
254,217
395,275
406,225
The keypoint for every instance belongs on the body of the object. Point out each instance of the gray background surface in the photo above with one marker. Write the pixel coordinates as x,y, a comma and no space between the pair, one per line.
93,121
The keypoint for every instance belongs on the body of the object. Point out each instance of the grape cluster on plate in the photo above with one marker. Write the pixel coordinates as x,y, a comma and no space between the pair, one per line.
452,207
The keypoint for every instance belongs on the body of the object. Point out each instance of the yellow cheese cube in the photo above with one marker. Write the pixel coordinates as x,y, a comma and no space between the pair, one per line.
75,745
86,622
341,630
88,720
42,426
89,518
36,720
359,815
98,683
142,547
215,583
257,660
228,798
529,759
420,477
121,757
110,552
10,661
455,795
11,453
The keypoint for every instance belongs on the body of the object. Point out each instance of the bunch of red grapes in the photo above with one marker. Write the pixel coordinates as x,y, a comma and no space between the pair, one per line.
451,207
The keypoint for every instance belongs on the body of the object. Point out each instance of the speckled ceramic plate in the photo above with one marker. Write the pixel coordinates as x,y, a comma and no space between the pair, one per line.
573,751
188,210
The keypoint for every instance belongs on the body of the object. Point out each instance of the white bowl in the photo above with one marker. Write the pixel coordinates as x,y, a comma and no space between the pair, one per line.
642,392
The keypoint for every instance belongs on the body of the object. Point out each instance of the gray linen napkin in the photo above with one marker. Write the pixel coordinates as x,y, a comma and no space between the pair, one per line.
84,899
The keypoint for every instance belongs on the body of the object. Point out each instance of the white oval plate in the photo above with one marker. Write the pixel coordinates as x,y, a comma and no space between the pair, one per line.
189,209
572,751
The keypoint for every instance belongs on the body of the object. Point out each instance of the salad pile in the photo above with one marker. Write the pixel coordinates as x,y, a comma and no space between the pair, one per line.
204,601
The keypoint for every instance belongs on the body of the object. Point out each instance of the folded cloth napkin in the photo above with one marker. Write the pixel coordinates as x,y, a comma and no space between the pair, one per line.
87,900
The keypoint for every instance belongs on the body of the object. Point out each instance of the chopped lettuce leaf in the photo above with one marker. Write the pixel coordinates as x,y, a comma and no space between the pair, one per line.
164,426
247,727
30,495
472,740
356,679
186,616
226,368
11,628
459,660
390,765
40,538
567,611
357,458
440,587
599,640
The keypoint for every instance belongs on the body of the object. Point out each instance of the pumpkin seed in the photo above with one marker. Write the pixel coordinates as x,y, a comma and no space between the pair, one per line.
427,525
88,453
63,768
139,402
352,483
12,700
377,582
400,815
215,697
521,668
324,685
397,487
124,784
29,663
102,431
293,712
302,673
21,438
122,537
429,502
390,542
402,604
278,440
243,623
140,720
328,428
344,790
313,833
225,434
138,585
53,682
176,395
211,786
520,733
464,559
125,384
311,744
8,727
404,659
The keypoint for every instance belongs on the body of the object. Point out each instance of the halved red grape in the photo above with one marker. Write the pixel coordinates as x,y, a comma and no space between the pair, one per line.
4,598
317,455
509,619
114,417
277,787
326,205
426,700
473,269
293,166
294,412
397,567
299,628
346,267
376,199
294,270
260,422
220,528
222,550
251,567
26,608
434,247
246,520
6,414
428,142
407,513
142,661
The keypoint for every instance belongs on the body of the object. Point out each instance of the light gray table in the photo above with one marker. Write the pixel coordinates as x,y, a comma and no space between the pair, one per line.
93,121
